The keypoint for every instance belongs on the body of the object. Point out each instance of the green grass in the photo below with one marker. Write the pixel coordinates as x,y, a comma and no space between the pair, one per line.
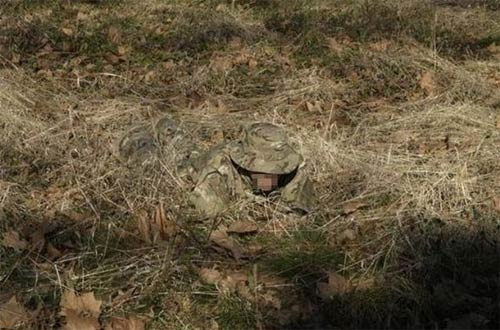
303,257
235,313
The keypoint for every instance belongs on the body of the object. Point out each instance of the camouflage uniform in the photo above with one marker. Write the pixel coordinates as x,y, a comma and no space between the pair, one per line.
139,143
220,176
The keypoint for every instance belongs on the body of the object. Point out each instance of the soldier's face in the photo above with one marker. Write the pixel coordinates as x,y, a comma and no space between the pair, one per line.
265,182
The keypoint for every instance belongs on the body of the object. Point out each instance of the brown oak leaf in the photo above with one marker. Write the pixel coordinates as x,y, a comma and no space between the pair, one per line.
210,275
220,238
336,285
12,314
125,323
81,311
11,239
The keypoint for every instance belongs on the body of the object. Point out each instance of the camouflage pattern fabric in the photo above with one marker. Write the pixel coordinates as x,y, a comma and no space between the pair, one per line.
264,148
141,142
137,144
218,181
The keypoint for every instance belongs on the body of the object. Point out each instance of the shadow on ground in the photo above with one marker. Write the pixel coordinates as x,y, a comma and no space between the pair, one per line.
450,280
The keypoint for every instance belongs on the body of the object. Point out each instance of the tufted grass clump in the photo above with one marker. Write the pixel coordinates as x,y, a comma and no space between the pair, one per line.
235,313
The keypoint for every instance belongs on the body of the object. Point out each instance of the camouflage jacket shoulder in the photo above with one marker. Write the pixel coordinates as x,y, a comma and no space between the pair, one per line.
218,183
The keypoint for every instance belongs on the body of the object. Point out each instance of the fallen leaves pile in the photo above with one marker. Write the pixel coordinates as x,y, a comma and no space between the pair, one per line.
78,311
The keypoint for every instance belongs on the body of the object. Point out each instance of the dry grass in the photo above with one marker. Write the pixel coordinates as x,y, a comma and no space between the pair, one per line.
385,119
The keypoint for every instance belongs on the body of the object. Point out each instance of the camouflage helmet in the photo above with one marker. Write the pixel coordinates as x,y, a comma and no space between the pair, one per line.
264,148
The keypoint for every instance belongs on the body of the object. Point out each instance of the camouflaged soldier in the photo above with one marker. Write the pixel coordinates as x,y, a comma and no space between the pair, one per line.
139,143
262,162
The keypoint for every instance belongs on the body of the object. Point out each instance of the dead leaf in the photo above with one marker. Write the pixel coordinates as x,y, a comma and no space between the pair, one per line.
114,34
210,275
221,107
309,106
28,18
43,64
254,249
237,276
364,283
493,48
498,121
122,50
16,58
271,299
11,239
77,216
12,314
81,16
242,227
67,46
252,64
268,280
220,8
148,77
37,238
232,282
244,291
163,226
221,64
68,32
380,46
215,137
428,84
108,68
45,266
213,325
220,238
336,285
496,203
334,45
353,206
242,58
235,42
81,311
168,65
143,225
347,235
313,107
112,58
53,252
125,323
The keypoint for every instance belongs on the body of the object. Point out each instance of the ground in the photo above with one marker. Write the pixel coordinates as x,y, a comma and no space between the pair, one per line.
394,104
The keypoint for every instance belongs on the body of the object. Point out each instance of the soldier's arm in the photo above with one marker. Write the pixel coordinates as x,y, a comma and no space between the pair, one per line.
215,182
299,193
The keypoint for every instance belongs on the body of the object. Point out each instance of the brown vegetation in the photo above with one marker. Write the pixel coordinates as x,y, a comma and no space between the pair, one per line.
394,104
